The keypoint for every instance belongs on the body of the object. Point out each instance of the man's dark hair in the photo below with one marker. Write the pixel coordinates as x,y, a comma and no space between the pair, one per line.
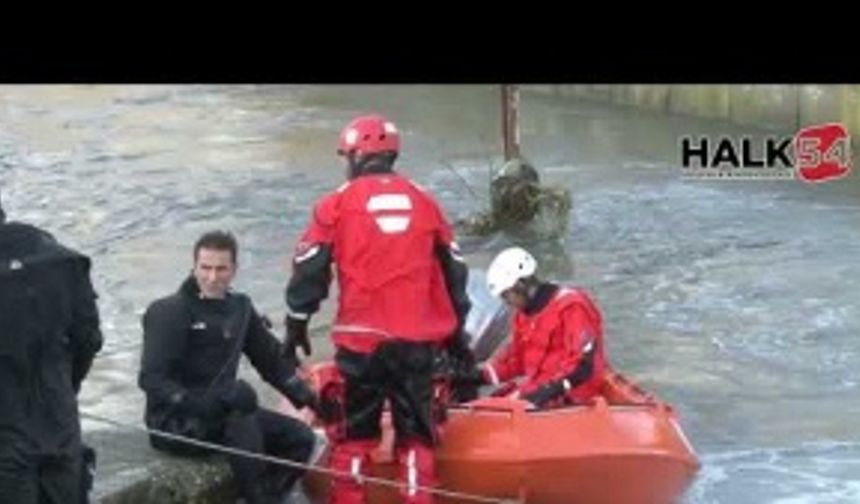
218,240
381,162
2,213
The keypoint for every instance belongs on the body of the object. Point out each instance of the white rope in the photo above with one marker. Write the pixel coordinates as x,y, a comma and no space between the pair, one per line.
290,463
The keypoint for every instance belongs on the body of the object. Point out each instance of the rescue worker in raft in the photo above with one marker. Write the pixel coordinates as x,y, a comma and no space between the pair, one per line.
556,345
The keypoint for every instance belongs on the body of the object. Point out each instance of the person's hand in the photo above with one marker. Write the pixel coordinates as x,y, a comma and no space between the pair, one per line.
330,405
544,394
458,348
240,396
301,394
204,407
297,336
463,371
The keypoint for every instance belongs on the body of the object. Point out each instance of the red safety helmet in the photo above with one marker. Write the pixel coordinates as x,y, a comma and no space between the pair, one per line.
370,134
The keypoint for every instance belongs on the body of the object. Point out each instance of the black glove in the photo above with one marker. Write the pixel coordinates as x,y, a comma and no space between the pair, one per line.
462,362
87,467
465,383
544,394
458,347
467,373
297,336
300,394
239,396
202,406
330,408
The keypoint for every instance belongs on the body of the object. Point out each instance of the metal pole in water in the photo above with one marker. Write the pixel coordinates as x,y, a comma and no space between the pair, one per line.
510,121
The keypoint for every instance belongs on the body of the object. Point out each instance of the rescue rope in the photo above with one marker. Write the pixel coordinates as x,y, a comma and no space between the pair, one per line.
290,463
465,182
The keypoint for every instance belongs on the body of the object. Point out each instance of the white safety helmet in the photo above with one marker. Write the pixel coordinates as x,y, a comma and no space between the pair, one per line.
509,266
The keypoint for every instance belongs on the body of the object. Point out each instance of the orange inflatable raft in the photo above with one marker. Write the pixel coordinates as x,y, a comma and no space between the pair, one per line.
626,447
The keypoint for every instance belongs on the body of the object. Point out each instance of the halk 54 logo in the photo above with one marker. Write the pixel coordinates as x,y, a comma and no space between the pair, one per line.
814,154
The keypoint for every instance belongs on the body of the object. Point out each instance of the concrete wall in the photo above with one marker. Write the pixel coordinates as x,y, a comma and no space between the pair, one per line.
779,106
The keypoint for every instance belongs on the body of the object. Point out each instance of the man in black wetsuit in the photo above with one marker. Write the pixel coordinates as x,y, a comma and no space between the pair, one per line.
193,340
